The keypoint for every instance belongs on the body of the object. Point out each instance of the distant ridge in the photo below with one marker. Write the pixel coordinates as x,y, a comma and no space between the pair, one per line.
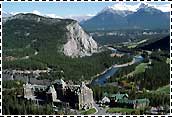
163,44
145,17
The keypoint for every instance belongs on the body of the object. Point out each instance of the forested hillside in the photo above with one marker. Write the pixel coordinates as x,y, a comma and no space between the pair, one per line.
34,42
163,44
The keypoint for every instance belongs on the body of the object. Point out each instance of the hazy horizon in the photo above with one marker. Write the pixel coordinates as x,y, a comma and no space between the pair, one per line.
68,9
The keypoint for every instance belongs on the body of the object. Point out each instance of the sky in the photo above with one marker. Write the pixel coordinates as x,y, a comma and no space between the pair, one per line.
62,9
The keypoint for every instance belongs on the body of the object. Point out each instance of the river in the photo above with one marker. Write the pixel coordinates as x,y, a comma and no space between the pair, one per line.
101,80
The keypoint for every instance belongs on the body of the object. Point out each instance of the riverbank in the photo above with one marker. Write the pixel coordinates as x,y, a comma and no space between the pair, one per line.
103,76
117,66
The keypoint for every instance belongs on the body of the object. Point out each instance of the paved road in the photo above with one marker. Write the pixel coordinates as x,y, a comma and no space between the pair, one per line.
125,64
101,111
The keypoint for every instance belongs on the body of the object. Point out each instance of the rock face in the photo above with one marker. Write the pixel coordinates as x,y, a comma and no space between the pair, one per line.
79,42
64,35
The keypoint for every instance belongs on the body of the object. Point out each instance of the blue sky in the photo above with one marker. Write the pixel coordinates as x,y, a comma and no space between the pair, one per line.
67,8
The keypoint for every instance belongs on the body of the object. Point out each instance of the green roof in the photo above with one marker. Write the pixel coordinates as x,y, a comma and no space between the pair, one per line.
137,101
105,94
126,101
121,99
118,96
142,100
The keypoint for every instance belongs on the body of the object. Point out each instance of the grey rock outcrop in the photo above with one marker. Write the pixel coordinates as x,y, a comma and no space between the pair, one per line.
66,35
79,43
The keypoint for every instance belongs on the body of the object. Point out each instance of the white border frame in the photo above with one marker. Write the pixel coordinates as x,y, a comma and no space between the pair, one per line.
1,6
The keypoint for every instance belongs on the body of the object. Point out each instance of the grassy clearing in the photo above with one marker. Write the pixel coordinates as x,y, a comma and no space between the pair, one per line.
133,45
20,52
142,41
164,89
120,110
88,112
139,69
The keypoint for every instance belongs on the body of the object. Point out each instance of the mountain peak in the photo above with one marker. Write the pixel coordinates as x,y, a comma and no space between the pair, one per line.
116,9
120,6
143,5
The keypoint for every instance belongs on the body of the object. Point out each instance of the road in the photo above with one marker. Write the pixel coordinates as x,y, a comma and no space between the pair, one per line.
125,64
100,110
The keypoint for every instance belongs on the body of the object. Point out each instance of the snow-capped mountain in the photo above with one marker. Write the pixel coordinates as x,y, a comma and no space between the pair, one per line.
121,16
106,19
148,9
148,17
134,8
116,11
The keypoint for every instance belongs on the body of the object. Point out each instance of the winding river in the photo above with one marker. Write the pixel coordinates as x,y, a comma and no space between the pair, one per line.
101,80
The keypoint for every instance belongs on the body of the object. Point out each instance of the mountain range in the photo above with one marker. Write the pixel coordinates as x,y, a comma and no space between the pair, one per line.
121,16
144,17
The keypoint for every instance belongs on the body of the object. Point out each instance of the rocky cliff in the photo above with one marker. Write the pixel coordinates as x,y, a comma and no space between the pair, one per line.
47,35
79,43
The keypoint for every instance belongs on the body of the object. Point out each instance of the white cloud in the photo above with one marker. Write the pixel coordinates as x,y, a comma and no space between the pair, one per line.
75,17
53,16
80,18
46,15
120,6
38,13
83,15
164,8
90,15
